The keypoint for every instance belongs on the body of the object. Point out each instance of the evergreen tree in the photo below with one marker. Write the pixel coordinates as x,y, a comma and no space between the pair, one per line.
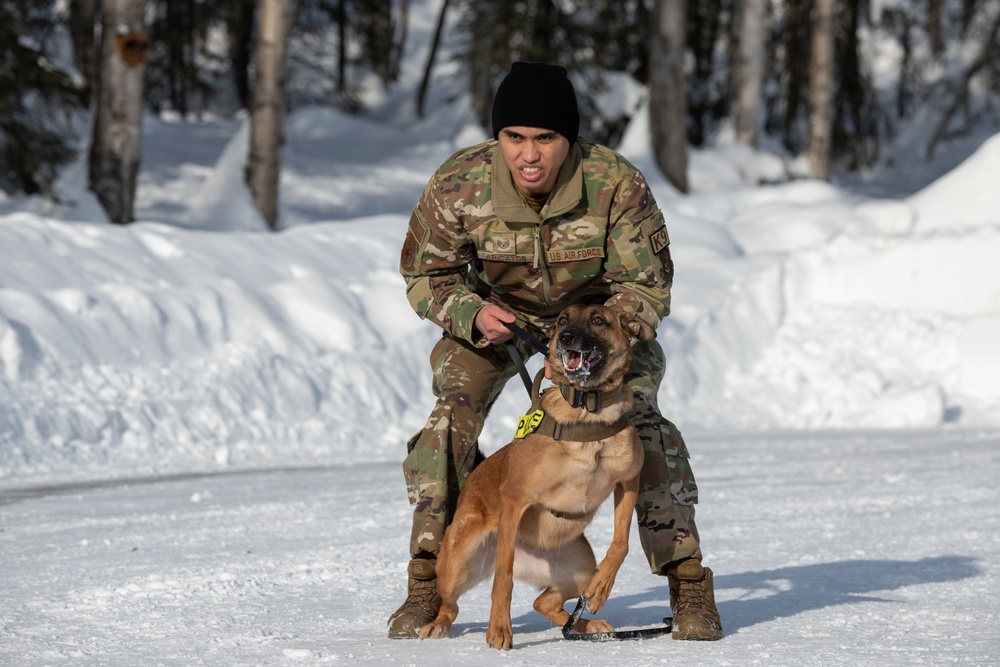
358,36
181,71
589,40
37,99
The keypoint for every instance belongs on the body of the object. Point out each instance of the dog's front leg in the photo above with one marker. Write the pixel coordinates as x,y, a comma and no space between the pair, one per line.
604,578
499,634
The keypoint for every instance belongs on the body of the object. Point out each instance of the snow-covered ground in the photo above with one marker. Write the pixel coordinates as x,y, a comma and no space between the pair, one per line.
202,422
861,549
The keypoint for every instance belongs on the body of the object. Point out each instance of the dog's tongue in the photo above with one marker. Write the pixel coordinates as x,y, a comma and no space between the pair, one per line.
573,361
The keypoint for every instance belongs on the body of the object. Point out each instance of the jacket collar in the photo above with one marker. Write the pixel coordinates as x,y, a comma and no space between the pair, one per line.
510,205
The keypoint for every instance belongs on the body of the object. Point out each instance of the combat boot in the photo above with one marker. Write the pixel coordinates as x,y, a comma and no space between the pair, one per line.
692,598
422,601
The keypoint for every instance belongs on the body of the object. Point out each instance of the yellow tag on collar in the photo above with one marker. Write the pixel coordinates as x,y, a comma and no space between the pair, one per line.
528,423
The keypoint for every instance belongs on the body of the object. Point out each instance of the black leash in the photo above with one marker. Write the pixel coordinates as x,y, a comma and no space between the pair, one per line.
540,346
568,632
512,350
618,635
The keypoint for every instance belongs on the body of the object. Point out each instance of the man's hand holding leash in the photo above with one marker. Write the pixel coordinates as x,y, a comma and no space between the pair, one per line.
490,322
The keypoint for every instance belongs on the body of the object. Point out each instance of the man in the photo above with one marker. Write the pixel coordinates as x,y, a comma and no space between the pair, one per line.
516,229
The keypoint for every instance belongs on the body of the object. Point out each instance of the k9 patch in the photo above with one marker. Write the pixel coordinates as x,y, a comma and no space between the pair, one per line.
659,240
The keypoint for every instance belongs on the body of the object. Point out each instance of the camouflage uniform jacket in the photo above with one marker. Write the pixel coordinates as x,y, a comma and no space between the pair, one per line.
472,238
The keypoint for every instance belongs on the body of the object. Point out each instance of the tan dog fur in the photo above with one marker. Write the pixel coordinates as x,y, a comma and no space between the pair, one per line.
503,513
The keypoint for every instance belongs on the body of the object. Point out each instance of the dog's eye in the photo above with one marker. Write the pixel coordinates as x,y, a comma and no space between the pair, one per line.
597,319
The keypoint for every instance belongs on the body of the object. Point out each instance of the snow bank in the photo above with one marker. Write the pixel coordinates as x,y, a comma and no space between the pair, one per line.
159,349
846,314
195,340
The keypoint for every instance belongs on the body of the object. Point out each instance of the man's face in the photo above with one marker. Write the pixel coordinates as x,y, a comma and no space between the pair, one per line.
533,156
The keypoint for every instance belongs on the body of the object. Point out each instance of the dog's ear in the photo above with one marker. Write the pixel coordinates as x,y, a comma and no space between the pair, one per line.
636,327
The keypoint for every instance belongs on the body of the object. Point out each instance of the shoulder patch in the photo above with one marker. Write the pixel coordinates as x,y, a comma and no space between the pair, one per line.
659,239
409,254
417,234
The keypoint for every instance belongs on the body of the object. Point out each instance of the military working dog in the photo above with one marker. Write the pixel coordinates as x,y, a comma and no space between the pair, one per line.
525,508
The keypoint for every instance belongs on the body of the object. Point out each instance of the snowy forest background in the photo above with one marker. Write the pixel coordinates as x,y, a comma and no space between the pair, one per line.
203,411
832,86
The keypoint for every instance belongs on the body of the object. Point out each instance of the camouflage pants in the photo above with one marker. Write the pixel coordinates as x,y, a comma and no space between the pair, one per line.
467,381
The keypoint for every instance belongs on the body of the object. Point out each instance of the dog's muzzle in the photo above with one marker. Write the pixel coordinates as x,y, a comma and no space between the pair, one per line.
579,357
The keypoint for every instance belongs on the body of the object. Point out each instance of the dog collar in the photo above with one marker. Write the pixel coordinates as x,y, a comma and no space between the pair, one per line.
590,400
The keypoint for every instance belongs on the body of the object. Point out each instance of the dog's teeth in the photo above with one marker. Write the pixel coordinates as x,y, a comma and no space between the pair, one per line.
572,360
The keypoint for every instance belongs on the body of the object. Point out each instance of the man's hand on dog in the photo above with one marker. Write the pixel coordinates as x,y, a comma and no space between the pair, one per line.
489,321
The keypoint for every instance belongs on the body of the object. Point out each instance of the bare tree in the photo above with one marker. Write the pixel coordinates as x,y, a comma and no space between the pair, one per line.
117,137
749,71
397,48
934,36
431,55
667,94
82,20
239,31
821,90
794,62
268,115
989,53
491,28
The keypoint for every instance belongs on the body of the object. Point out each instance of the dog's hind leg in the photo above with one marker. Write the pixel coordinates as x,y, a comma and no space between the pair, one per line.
463,563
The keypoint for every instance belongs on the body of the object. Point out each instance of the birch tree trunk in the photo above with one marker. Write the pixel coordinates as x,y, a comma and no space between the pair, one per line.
667,94
821,88
268,116
749,71
116,144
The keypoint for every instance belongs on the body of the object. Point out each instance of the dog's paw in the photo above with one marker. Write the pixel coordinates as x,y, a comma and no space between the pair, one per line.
500,637
592,625
598,591
434,630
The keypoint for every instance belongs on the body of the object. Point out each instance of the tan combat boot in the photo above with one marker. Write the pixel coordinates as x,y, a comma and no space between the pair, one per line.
422,601
692,598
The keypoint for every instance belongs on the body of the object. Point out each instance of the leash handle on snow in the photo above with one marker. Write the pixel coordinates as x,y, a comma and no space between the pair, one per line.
616,636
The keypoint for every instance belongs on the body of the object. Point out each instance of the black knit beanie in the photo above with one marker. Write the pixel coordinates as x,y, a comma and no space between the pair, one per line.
537,95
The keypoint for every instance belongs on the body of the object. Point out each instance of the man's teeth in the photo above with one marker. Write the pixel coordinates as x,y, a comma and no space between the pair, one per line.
531,170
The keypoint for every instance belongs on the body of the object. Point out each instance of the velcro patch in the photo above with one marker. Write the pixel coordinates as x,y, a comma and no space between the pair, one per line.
514,259
408,257
501,243
659,239
574,254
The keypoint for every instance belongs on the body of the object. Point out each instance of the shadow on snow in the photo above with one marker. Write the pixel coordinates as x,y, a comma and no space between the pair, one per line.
770,595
